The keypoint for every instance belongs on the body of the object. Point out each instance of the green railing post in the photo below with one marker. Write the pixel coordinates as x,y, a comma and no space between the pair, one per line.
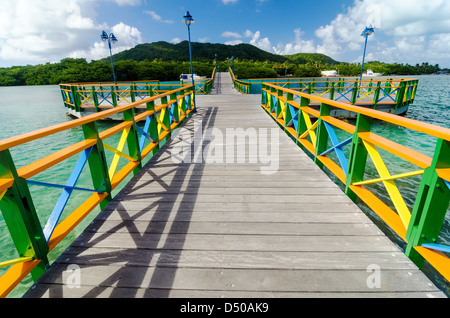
153,128
358,156
431,204
376,96
76,99
355,92
322,134
133,97
289,116
263,95
279,108
302,127
332,90
97,163
400,95
165,120
94,97
388,87
21,218
176,113
132,139
113,96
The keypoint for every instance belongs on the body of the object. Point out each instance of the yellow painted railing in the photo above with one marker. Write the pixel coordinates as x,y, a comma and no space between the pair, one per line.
141,135
348,158
101,96
390,94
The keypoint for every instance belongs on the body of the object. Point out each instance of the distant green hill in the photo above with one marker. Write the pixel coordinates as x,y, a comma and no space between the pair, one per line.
202,52
303,58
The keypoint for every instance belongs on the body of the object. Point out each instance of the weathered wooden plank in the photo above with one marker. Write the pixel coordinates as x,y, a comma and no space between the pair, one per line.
60,291
235,259
242,216
260,228
237,242
244,280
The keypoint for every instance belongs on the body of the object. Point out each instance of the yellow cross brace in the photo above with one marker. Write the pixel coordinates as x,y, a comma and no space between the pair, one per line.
15,261
2,194
118,152
121,98
283,110
160,120
398,176
366,95
310,130
391,188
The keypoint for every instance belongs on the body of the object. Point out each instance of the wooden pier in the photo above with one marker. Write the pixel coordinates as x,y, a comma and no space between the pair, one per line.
232,229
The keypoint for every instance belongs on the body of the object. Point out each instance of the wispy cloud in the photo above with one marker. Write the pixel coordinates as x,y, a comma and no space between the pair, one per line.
229,34
157,17
229,1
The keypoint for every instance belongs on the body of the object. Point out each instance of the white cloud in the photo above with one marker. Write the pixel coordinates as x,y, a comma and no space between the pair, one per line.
126,35
33,32
176,40
229,1
229,34
157,17
127,2
262,43
299,45
404,29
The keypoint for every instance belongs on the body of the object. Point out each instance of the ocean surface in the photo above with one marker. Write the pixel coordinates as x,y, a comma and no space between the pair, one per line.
28,108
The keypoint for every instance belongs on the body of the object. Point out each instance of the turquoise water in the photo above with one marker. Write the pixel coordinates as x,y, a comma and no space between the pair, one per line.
25,109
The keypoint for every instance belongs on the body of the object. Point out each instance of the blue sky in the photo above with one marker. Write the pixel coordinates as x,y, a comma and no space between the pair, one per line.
407,31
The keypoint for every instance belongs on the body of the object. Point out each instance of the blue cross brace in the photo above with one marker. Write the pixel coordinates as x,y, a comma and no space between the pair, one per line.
337,147
437,247
274,104
65,195
388,95
294,115
104,98
144,132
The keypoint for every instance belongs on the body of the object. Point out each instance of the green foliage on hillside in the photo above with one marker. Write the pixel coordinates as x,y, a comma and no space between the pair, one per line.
202,52
165,62
304,58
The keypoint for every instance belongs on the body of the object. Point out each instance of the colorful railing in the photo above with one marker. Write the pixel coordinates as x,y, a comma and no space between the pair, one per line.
140,137
101,96
203,86
396,93
318,134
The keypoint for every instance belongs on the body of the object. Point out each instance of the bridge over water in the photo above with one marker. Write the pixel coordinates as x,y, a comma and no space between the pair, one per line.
233,222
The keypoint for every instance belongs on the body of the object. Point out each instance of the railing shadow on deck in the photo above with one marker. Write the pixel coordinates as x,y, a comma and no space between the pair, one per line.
32,241
157,253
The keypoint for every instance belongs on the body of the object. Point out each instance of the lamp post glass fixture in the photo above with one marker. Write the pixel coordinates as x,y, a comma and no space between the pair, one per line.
110,38
188,20
367,31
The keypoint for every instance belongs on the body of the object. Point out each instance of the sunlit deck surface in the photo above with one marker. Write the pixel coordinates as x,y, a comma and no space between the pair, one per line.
230,230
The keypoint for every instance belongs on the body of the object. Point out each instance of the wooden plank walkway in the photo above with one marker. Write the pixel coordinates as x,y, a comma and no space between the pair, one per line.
231,229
